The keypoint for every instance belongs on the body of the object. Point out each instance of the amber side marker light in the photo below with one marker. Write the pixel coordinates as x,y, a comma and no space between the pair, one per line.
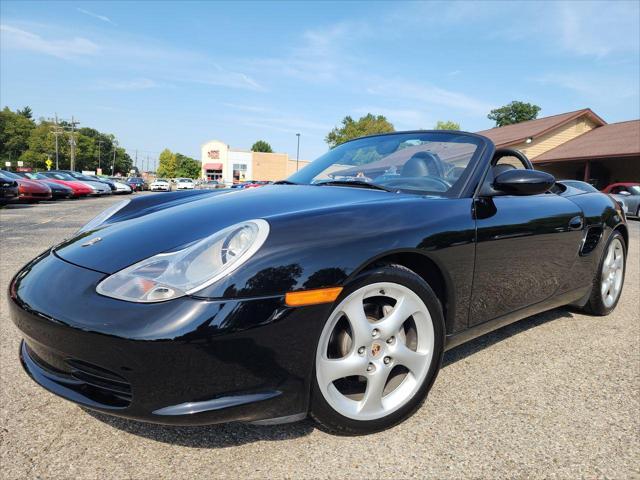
312,297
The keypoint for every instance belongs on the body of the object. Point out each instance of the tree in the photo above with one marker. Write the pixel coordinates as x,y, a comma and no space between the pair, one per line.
167,164
41,146
261,146
21,138
368,125
447,125
15,130
514,112
187,167
26,112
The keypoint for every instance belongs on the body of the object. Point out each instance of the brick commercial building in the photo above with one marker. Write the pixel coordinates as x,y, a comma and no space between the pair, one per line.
223,163
577,145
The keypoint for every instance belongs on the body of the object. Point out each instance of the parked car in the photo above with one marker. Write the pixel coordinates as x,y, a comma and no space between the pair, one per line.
260,183
106,180
80,189
211,185
8,189
29,191
315,295
580,185
58,191
185,184
628,193
101,188
242,185
137,184
121,186
160,185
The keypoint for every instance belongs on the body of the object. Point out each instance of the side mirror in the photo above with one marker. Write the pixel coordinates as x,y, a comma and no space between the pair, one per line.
523,182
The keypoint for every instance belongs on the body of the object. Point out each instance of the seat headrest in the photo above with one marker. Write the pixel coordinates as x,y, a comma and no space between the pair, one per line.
420,165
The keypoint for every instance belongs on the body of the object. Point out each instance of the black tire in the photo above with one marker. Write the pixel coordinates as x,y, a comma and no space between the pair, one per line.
331,421
595,305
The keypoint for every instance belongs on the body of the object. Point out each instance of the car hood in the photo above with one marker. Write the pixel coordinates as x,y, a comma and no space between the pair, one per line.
56,186
97,184
33,185
115,246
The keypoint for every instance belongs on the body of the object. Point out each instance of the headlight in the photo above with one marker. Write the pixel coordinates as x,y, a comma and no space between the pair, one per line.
102,217
171,275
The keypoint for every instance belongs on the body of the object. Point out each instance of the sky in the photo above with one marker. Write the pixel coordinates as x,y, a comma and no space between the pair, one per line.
176,74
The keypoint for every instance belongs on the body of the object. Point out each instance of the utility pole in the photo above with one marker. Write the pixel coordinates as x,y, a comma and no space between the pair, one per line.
135,163
113,165
57,131
99,145
298,151
72,143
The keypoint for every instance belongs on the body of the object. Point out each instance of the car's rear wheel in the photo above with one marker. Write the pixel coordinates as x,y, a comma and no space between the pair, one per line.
379,352
609,278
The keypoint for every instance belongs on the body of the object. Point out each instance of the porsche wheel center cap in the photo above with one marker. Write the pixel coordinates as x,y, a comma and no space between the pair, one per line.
376,348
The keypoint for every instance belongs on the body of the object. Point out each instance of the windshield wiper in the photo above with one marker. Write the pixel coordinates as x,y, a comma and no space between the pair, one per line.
357,184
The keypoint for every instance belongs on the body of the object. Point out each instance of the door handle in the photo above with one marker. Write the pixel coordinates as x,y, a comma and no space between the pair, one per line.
576,223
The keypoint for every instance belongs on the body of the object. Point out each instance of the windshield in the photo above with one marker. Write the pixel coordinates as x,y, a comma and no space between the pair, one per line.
421,162
635,189
60,176
10,174
584,186
36,176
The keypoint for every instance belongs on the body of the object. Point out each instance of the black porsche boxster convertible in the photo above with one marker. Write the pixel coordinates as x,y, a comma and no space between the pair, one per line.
331,294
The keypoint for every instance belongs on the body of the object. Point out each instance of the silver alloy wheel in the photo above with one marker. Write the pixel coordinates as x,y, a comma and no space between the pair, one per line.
381,339
612,273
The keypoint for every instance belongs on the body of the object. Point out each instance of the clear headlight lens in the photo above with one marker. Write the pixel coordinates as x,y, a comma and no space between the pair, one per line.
171,275
102,217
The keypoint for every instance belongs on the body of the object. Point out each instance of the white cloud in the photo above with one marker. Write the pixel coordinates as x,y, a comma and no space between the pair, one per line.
321,56
598,29
221,77
591,85
135,84
19,39
245,108
427,94
95,15
402,119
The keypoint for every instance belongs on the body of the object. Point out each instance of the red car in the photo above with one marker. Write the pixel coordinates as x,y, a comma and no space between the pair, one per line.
256,184
618,187
79,189
30,191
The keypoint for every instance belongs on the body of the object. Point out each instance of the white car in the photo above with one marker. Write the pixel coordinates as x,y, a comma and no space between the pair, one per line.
160,185
185,184
121,187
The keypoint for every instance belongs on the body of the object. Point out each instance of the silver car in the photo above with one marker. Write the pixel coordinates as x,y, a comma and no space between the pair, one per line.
630,197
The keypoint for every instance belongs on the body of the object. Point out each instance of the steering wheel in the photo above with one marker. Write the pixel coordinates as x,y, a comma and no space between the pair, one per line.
422,183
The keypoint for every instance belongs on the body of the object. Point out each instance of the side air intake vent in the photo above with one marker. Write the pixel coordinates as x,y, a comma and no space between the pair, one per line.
591,239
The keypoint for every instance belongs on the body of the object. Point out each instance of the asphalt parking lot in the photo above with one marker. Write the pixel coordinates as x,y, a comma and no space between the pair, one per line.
556,395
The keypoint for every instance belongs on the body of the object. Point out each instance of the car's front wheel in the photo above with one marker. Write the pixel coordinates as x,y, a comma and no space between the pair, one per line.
379,352
609,278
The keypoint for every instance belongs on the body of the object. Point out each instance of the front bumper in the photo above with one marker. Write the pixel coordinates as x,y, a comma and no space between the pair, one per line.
34,196
187,361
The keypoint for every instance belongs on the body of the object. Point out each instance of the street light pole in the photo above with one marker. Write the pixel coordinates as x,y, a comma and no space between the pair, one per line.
298,152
